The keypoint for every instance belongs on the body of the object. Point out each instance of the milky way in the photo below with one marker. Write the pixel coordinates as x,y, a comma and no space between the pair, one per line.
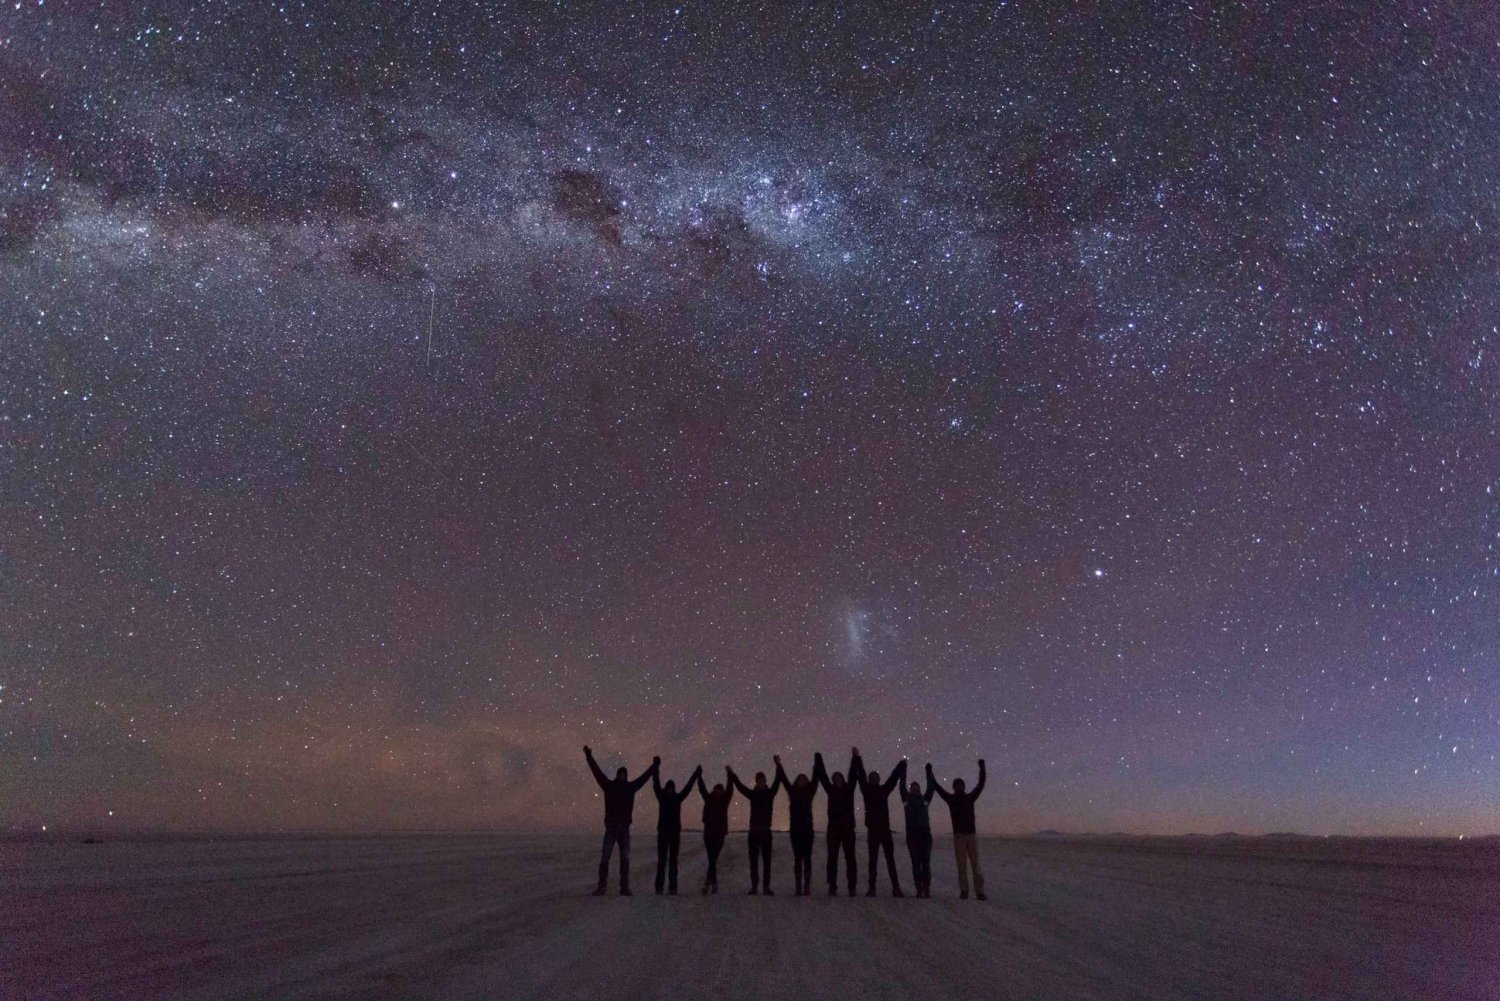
395,398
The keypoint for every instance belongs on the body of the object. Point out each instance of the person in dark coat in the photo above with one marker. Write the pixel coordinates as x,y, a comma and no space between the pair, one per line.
840,821
669,826
619,805
715,826
965,842
877,797
800,793
762,799
919,835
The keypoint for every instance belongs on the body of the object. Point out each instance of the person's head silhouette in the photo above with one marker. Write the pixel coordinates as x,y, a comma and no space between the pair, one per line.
671,785
958,785
718,788
800,782
838,780
874,778
915,789
620,774
760,780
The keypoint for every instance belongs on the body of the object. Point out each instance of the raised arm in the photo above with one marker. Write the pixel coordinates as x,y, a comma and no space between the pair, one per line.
780,774
979,788
687,787
857,769
897,779
648,774
588,755
702,789
934,786
820,774
744,790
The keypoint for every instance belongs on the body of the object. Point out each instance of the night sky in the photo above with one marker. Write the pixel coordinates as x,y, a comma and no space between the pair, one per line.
396,397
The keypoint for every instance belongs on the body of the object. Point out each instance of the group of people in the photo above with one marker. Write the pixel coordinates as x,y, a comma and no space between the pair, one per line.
619,806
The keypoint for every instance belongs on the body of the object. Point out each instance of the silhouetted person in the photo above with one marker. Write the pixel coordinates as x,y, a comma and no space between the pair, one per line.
762,799
877,796
919,835
840,822
800,793
965,844
619,804
715,827
669,826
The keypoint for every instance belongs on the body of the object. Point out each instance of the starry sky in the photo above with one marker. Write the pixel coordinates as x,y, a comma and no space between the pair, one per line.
395,397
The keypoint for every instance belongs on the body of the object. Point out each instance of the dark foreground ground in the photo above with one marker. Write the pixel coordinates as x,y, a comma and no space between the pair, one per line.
509,916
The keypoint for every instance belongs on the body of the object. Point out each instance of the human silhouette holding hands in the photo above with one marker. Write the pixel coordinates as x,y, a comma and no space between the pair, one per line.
919,834
619,805
762,799
965,843
800,793
877,797
840,794
715,825
669,826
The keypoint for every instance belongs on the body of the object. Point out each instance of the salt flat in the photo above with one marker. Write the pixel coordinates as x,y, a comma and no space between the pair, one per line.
509,916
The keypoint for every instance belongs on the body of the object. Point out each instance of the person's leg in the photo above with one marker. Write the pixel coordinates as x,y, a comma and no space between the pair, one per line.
661,860
674,844
872,855
912,842
754,844
851,863
833,863
960,852
974,864
713,844
807,865
604,852
767,842
623,840
924,857
888,845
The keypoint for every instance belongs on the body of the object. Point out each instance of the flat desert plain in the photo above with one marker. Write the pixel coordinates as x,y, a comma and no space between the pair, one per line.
510,916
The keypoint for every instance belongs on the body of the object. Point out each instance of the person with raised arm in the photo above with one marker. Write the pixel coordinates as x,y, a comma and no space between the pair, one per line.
965,844
669,826
800,793
919,835
715,826
877,797
762,799
619,805
840,821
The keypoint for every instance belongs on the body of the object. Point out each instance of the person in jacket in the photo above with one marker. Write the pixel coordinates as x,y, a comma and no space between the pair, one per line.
619,804
762,799
669,826
840,834
965,844
800,793
919,835
877,797
715,826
